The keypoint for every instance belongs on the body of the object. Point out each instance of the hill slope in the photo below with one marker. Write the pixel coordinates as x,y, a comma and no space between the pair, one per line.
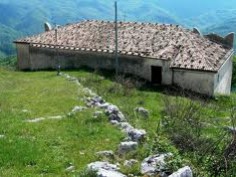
22,18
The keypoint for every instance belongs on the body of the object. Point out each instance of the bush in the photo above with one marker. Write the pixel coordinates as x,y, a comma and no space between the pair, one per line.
182,122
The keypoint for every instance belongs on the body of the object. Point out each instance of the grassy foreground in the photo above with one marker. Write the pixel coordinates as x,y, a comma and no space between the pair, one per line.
48,147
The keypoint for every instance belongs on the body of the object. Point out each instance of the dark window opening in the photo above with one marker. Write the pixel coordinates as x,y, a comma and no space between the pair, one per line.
156,74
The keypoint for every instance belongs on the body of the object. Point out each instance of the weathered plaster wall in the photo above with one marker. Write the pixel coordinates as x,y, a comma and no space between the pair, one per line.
23,57
46,58
197,81
222,80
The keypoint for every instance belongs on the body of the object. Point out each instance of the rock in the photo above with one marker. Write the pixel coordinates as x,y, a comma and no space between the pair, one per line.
36,120
55,117
104,165
154,164
142,111
112,109
97,114
105,169
137,134
98,99
183,172
70,168
104,105
78,109
115,122
130,163
117,116
127,146
108,154
107,173
126,127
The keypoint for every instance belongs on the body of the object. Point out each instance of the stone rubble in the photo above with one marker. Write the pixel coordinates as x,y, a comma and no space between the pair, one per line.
183,172
45,118
126,147
70,168
78,109
142,111
155,164
152,165
105,169
107,154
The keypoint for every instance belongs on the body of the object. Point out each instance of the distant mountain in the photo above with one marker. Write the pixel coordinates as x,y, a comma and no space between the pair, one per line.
26,17
21,18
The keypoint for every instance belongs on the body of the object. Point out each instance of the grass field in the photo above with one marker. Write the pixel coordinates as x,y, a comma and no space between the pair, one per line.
48,147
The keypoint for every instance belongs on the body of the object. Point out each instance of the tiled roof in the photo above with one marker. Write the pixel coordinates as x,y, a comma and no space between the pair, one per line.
184,48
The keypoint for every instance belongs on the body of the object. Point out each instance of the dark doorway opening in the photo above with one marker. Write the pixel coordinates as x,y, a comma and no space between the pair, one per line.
156,74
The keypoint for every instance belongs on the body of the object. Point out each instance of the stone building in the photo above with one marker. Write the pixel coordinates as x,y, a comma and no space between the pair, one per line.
160,53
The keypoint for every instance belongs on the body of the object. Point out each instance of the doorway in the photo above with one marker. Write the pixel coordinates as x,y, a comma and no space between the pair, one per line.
156,74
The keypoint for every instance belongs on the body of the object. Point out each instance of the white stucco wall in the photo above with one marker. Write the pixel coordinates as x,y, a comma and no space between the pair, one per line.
197,81
223,78
46,58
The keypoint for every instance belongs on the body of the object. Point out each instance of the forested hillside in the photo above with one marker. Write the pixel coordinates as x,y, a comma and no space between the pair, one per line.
22,18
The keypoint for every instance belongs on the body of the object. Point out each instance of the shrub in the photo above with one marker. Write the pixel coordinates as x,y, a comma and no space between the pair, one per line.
182,122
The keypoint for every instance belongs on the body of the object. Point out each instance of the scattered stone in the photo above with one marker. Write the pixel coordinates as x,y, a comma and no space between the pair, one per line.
70,168
115,122
107,154
137,135
104,105
105,169
114,113
155,164
118,117
126,127
142,111
55,117
112,109
36,120
78,109
183,172
128,146
107,173
130,163
44,118
98,99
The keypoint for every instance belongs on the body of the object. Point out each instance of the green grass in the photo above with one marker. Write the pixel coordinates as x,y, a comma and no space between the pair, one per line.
47,148
214,113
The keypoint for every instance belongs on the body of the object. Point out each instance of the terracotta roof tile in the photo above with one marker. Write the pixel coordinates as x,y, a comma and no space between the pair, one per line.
181,46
